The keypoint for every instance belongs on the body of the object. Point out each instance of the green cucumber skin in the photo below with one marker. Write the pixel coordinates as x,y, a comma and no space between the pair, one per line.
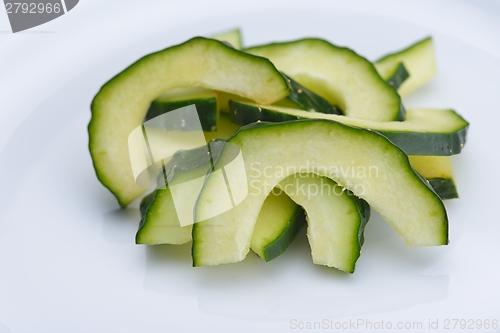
307,100
445,188
364,213
110,152
399,76
143,208
432,212
187,160
431,144
207,111
413,143
280,244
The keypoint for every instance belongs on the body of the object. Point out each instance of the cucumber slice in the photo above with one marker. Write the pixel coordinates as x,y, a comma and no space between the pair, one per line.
342,77
336,219
205,101
280,217
165,219
419,60
438,171
159,220
273,151
279,221
121,104
425,131
233,37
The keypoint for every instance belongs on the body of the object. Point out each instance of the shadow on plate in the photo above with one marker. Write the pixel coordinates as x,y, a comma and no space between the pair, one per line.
291,286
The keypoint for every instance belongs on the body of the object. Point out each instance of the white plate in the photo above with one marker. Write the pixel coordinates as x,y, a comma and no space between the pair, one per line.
68,262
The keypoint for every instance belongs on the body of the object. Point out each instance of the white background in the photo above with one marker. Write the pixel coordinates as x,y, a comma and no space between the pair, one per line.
68,262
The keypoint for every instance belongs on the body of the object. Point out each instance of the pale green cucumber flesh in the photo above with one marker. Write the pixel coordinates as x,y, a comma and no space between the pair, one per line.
233,37
122,103
419,60
338,74
362,161
225,128
159,222
424,132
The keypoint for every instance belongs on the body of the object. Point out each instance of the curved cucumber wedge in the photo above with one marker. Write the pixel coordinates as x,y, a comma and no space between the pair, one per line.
342,77
438,171
159,218
279,221
159,221
167,219
419,60
121,104
205,101
273,151
281,218
336,219
424,132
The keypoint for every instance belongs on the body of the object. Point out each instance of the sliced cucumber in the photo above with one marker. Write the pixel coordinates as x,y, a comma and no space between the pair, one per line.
279,221
419,60
342,77
205,101
223,234
438,171
159,221
336,219
121,104
168,220
159,217
425,131
233,37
